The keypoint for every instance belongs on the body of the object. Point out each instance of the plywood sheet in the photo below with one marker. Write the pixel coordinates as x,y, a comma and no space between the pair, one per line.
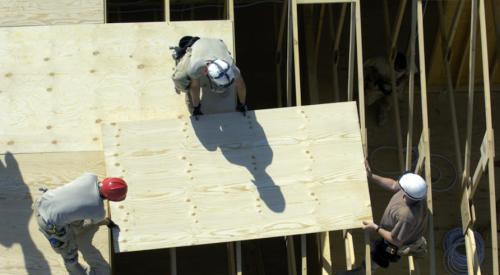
227,177
24,249
59,83
50,12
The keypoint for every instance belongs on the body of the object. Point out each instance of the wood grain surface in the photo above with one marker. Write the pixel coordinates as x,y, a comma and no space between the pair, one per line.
59,83
15,13
227,177
23,248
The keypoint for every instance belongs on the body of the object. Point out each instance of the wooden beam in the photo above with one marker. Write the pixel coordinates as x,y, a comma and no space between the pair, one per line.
166,10
391,55
279,53
453,27
426,136
352,47
361,87
326,257
230,17
295,30
472,259
489,129
411,92
239,269
231,258
312,78
336,40
289,57
349,250
481,166
292,266
303,253
318,34
105,11
173,261
368,261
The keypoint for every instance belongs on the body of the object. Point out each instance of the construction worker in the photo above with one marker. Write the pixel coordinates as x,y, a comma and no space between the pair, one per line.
403,224
377,74
71,209
206,57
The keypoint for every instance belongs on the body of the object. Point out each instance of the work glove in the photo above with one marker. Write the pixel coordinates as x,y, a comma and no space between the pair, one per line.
197,111
111,224
242,107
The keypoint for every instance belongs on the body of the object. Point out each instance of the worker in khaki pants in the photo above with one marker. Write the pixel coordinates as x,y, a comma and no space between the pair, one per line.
403,224
71,209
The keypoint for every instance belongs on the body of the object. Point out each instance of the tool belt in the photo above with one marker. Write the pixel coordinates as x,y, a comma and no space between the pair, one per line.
384,253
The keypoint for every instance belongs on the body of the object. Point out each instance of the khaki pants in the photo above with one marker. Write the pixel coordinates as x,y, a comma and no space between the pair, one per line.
69,249
417,249
372,94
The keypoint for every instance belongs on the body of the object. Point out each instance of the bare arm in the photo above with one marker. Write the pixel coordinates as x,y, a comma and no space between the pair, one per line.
371,226
386,183
103,222
241,89
194,89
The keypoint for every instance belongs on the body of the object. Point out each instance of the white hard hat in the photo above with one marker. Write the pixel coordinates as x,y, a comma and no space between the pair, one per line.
220,73
413,185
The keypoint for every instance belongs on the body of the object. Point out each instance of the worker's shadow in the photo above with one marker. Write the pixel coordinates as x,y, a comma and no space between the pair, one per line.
15,214
244,144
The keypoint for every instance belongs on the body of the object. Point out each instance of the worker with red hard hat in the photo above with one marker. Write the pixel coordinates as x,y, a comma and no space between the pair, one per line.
69,210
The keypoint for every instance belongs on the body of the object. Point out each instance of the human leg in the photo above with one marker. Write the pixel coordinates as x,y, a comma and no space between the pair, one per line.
417,249
385,104
361,270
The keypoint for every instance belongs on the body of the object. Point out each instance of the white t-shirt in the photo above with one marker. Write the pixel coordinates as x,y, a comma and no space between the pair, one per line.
75,201
380,62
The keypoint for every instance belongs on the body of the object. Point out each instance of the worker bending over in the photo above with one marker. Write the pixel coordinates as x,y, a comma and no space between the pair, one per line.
403,224
69,210
377,74
206,57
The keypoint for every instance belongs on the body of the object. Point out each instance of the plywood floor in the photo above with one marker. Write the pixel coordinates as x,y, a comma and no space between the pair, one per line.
15,13
228,177
59,83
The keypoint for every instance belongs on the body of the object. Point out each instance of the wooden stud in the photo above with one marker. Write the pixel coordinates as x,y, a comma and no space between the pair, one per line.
295,30
361,88
279,53
230,17
425,124
105,11
311,65
368,261
289,51
447,60
391,55
239,269
335,42
352,38
496,56
411,266
231,258
411,92
489,132
318,33
472,259
173,261
292,266
465,54
167,10
349,250
303,252
326,257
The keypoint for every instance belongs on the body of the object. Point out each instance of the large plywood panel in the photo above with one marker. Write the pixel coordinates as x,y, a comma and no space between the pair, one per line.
227,177
59,83
50,12
24,249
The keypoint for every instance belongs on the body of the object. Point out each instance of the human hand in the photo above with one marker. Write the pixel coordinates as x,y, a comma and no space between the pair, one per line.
242,107
368,169
197,111
370,226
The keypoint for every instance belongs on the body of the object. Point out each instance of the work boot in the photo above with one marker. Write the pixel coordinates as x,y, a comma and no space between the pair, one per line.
382,117
361,270
78,269
422,253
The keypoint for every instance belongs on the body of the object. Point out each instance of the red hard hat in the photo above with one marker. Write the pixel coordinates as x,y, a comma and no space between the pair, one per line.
114,189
